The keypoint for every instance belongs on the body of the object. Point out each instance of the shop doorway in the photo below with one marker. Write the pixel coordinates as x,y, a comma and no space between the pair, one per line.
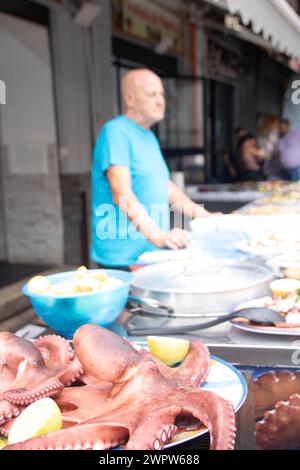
222,108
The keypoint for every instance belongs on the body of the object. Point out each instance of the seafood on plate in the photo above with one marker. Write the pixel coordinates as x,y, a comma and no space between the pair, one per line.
288,307
277,404
129,397
271,209
30,370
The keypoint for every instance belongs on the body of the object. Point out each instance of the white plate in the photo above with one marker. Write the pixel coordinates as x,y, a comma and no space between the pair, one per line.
247,246
285,261
224,380
267,330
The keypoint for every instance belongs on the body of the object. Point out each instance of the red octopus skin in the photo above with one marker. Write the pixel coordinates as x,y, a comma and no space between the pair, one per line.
32,370
272,387
136,401
277,402
280,427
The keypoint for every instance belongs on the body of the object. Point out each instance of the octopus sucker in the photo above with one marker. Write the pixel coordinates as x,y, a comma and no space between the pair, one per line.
55,350
163,437
8,411
5,428
132,399
157,444
71,374
29,373
272,387
277,401
81,437
281,430
19,397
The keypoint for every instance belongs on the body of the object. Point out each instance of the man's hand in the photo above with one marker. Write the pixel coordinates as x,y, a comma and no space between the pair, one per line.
174,239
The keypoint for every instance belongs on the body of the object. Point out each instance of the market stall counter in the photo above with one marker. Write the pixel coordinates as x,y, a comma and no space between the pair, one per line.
224,197
257,362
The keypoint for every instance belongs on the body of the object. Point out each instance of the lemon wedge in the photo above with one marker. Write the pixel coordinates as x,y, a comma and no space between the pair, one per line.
169,350
284,287
3,442
39,418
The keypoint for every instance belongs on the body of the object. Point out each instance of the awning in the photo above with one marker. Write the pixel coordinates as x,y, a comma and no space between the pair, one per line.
274,19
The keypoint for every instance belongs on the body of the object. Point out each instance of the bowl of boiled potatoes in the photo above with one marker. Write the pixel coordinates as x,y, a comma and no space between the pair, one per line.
65,301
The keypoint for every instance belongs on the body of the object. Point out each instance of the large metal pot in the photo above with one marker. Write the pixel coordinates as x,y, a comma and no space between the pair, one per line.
202,287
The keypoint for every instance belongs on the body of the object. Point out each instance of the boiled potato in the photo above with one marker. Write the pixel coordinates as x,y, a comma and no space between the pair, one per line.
83,282
65,288
38,285
88,284
100,276
82,272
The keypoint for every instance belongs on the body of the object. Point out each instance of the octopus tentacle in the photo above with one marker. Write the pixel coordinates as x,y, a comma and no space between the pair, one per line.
7,411
214,412
56,351
71,373
193,370
48,388
155,430
273,387
280,428
89,435
5,428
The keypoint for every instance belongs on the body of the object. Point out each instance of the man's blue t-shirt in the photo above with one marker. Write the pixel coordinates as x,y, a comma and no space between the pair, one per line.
122,142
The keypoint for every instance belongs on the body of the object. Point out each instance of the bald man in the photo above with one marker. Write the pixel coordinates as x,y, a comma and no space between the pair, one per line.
132,190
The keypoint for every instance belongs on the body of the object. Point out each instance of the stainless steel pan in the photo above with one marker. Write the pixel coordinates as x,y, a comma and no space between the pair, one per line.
199,288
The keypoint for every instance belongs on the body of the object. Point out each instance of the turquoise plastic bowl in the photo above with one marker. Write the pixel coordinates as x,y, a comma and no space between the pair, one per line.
66,314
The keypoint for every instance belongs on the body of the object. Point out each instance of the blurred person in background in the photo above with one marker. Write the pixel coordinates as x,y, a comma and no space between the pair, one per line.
230,157
251,159
131,186
267,139
289,151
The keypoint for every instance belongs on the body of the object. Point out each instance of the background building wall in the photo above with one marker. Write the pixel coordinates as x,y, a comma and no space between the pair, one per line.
105,86
30,173
3,248
85,100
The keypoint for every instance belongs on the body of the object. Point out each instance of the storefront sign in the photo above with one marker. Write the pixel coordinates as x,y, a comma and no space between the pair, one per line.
296,93
221,62
149,22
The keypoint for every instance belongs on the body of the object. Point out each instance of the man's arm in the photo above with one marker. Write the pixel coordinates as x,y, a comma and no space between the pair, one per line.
182,203
120,182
